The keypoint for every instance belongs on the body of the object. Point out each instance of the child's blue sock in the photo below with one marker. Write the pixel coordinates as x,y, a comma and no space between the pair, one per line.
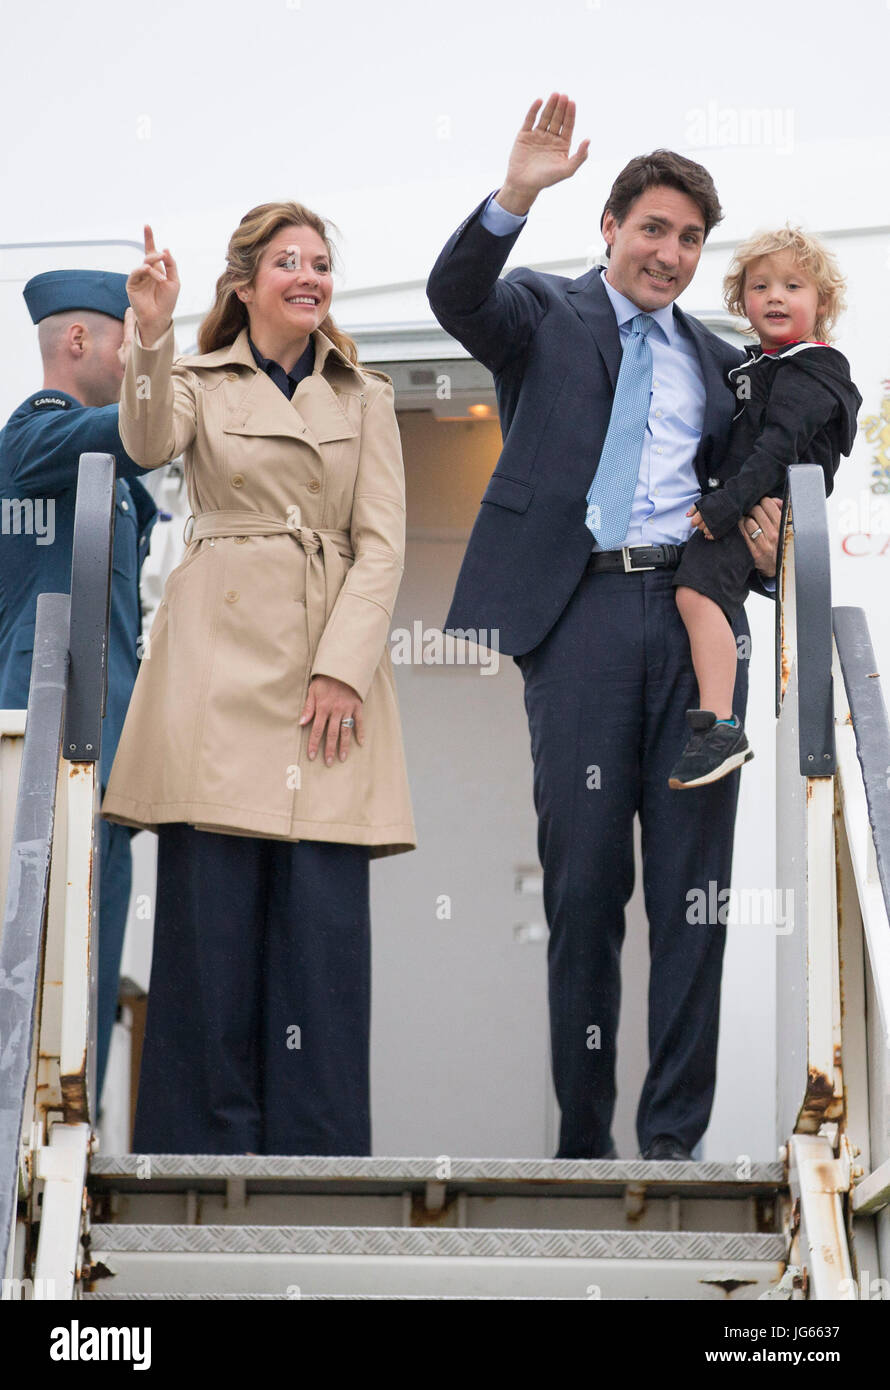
733,721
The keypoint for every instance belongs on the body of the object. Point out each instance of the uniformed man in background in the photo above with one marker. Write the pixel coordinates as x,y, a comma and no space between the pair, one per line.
85,328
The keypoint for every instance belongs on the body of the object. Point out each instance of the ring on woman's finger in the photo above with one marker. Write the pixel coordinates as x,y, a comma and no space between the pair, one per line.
347,723
755,534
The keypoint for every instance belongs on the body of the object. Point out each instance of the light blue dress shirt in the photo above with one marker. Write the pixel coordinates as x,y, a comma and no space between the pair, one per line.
667,485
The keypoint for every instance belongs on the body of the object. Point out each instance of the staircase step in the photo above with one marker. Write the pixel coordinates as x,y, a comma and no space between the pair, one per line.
296,1260
324,1297
486,1176
400,1240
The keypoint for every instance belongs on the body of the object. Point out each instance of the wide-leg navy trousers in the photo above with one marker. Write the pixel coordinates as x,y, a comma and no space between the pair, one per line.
115,881
257,1035
606,693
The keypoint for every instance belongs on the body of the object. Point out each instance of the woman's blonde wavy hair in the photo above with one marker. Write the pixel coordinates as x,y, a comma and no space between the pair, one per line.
256,228
814,259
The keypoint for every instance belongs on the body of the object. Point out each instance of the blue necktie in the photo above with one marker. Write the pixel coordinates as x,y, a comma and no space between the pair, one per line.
611,493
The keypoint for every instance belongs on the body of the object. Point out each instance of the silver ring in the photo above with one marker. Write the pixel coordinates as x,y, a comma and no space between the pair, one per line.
347,723
754,534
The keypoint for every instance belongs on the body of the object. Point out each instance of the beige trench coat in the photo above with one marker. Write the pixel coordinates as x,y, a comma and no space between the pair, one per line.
292,571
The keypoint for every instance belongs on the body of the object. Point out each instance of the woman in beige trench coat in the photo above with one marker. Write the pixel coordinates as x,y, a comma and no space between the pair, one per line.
263,741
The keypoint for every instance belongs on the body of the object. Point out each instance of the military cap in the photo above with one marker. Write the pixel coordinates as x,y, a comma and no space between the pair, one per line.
103,291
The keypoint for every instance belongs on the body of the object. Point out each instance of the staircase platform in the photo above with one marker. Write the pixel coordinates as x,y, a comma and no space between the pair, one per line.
238,1226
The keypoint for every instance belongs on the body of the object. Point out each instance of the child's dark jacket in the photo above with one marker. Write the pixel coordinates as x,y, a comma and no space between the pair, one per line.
797,405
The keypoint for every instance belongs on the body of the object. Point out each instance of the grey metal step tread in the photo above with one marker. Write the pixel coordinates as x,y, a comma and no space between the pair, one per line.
138,1172
412,1241
340,1297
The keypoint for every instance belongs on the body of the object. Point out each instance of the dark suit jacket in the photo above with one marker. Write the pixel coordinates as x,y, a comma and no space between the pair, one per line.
552,345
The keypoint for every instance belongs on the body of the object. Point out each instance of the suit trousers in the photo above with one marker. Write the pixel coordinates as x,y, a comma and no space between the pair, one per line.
115,879
259,1008
606,693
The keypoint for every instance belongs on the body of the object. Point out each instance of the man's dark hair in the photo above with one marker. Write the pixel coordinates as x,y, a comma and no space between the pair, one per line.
665,168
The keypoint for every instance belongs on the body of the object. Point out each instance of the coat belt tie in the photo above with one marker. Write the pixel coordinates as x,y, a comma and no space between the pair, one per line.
325,565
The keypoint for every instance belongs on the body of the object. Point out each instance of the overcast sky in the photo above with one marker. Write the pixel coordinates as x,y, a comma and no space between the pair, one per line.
394,119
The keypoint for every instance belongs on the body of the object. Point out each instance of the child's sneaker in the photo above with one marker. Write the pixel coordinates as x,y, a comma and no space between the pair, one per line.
713,750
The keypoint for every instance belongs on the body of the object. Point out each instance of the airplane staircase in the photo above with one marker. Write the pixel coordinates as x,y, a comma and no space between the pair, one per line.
814,1224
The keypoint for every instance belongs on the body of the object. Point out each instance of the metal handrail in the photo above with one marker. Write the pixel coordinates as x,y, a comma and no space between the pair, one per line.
82,742
871,729
90,606
804,528
822,1091
21,948
862,714
65,707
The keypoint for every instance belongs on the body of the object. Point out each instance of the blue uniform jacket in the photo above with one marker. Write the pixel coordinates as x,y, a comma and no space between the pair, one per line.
39,451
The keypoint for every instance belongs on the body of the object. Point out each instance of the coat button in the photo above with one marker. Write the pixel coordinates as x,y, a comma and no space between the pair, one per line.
313,485
239,540
237,480
231,376
231,595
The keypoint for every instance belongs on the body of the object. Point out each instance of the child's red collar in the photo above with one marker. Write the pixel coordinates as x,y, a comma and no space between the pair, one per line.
771,352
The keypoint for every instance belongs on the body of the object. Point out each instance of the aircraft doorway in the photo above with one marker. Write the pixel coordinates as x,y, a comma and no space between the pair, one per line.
460,1035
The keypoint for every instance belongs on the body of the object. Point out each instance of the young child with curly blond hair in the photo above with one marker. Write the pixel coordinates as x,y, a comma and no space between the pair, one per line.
796,404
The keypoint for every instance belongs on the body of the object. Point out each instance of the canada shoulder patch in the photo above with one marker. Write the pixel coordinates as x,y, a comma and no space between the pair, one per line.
50,403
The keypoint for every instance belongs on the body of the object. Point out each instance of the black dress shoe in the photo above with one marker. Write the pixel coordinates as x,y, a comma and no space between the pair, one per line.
666,1148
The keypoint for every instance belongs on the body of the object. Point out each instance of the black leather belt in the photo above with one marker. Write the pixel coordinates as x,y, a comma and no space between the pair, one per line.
636,557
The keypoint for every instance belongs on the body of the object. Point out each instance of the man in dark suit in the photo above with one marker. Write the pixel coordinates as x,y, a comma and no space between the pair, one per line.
574,576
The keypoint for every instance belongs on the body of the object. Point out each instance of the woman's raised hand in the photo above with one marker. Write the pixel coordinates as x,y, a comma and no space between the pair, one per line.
153,289
541,153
